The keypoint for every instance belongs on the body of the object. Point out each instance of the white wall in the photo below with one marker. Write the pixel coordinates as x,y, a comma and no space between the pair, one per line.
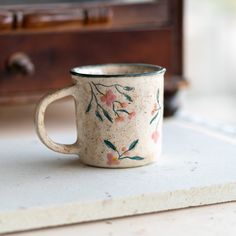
210,46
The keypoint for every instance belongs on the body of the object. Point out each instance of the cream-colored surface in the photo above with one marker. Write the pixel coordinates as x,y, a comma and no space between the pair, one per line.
215,220
54,189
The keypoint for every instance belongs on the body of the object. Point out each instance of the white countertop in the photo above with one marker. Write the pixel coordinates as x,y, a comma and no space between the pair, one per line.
51,177
214,220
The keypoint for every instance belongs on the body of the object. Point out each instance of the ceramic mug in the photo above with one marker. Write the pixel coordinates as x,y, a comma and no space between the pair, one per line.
119,110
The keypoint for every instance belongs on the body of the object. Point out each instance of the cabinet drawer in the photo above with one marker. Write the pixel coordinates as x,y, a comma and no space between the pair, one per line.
53,54
90,15
6,20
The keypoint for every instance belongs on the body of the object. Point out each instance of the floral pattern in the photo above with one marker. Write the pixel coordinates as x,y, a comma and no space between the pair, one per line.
111,103
115,156
155,136
108,106
112,159
154,110
156,118
108,98
132,114
119,118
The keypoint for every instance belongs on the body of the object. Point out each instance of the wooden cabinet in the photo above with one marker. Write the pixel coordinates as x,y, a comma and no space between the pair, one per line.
40,43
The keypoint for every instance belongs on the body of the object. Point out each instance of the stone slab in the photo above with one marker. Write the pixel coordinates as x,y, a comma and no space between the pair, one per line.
40,188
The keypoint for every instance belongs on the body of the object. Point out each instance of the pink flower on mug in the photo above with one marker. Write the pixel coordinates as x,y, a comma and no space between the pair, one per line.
124,104
154,109
112,160
119,119
155,136
132,114
108,98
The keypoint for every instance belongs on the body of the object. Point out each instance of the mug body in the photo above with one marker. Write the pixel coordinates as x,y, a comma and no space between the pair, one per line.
119,110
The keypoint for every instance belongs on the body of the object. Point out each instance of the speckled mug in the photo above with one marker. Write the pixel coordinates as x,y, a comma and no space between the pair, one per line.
119,110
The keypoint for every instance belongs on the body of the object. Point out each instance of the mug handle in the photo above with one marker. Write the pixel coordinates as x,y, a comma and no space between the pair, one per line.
40,124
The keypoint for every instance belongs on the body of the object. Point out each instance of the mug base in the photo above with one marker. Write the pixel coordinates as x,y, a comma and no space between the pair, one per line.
117,166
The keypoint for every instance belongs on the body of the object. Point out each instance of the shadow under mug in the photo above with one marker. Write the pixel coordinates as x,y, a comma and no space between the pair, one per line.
119,112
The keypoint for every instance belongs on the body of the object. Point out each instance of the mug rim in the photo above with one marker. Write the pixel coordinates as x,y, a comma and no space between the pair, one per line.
156,70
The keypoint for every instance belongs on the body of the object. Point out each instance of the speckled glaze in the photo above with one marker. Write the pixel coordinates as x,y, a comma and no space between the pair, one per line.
119,110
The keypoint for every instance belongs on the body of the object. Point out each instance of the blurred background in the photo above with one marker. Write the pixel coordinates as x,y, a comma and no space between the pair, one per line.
194,40
209,59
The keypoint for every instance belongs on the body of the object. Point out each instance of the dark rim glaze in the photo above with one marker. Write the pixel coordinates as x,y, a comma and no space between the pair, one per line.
156,70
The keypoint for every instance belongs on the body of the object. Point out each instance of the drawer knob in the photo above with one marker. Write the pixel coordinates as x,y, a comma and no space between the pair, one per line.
20,63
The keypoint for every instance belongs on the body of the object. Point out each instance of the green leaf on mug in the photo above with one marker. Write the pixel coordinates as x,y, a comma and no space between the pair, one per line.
106,114
137,158
110,145
128,97
154,117
88,108
127,88
98,115
133,144
122,110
